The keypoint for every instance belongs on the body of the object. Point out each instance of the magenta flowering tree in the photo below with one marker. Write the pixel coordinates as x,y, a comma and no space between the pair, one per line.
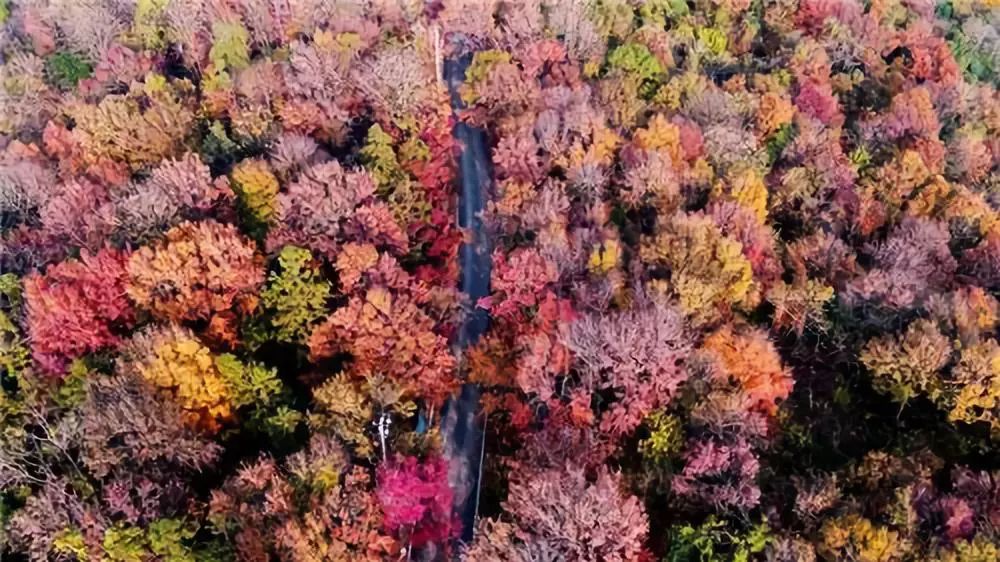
417,501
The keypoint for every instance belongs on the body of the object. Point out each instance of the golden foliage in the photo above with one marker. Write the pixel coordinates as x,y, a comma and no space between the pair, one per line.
661,134
774,112
343,409
979,549
853,537
125,129
746,187
909,364
257,188
800,304
175,362
708,271
975,384
605,257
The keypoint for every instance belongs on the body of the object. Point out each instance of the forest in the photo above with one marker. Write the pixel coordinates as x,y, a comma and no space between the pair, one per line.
500,280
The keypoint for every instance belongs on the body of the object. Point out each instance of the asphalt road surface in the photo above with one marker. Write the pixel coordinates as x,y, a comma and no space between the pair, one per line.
461,426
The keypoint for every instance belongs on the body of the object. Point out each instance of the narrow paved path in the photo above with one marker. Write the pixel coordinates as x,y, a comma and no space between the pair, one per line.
461,427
